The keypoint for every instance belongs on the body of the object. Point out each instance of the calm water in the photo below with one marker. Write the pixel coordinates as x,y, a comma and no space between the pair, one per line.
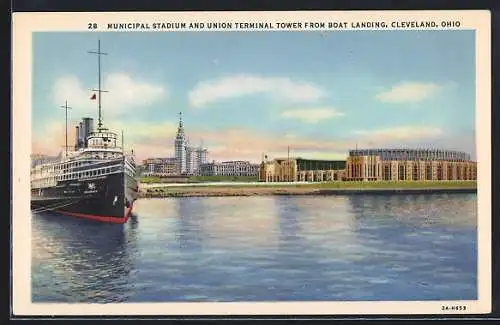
370,247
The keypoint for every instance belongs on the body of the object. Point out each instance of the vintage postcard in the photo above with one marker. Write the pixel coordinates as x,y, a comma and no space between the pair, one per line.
251,163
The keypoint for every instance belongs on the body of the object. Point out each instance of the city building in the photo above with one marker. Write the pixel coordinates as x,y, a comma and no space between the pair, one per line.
37,159
180,148
188,158
201,157
160,167
300,169
409,165
195,157
230,168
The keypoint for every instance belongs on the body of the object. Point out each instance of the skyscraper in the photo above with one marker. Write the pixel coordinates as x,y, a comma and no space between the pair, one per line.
195,157
201,155
180,147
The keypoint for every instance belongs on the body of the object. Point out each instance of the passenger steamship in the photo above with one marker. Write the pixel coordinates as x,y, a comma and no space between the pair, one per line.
95,180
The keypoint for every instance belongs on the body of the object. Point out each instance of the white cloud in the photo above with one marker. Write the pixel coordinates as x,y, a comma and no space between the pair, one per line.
410,92
311,115
145,131
240,85
147,139
290,136
409,132
124,94
51,141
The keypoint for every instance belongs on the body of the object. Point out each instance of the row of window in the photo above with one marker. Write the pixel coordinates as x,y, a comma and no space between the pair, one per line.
99,142
90,173
323,178
401,173
43,183
253,173
232,170
411,154
64,171
71,164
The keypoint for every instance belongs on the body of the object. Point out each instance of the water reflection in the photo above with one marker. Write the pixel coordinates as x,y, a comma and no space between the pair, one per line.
240,223
289,221
363,247
425,210
432,236
81,261
190,221
325,224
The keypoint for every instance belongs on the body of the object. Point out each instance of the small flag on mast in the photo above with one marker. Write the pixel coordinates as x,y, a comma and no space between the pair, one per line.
93,97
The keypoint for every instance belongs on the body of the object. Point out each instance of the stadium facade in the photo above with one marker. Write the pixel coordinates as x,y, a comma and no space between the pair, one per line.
409,165
374,165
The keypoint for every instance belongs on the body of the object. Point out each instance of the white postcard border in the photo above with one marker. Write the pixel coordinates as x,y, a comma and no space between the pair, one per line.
26,23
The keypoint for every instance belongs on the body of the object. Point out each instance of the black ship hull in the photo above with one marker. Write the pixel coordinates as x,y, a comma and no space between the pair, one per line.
108,198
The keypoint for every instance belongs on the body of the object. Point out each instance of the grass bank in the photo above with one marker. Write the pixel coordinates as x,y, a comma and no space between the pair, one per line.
150,179
326,188
206,179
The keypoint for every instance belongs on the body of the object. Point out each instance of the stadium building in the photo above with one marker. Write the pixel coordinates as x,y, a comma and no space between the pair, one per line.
409,165
374,165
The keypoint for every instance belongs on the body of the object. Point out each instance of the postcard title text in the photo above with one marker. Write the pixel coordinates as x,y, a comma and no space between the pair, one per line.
285,25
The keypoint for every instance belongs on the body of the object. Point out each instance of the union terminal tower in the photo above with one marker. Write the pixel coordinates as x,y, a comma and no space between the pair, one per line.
180,148
188,159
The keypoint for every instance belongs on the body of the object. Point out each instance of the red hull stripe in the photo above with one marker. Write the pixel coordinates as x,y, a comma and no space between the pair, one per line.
95,217
106,219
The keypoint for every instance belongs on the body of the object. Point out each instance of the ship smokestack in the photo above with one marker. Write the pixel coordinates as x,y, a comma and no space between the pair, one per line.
91,125
88,124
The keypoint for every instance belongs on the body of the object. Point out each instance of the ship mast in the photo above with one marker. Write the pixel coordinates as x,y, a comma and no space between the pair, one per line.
99,90
66,107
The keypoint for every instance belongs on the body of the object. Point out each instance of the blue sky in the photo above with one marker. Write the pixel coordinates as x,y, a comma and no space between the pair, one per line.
248,93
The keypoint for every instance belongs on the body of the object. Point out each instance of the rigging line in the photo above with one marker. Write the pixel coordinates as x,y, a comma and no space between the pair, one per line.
53,207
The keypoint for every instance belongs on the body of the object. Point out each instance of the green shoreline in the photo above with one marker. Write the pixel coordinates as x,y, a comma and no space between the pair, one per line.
329,188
